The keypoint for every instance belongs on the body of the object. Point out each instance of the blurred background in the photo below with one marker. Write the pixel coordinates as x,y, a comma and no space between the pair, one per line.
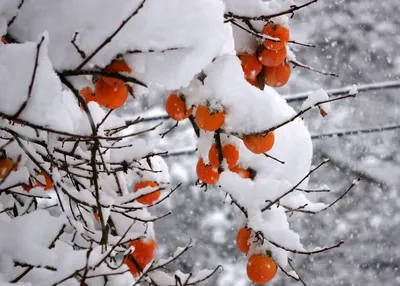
359,40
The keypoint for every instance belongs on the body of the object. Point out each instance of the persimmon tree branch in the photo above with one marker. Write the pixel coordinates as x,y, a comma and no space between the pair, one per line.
299,64
300,113
295,186
110,38
303,210
33,77
291,10
21,3
30,268
116,75
73,42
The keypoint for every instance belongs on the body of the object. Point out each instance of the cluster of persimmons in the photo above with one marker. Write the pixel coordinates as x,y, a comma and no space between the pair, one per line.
261,268
268,65
144,249
109,92
209,118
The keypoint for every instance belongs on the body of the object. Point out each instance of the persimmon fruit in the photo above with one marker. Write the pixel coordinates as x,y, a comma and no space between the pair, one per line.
259,143
149,198
261,268
251,65
276,31
175,106
114,67
96,216
229,152
244,173
209,120
242,239
252,81
277,76
272,58
207,173
87,94
48,183
143,254
6,166
111,96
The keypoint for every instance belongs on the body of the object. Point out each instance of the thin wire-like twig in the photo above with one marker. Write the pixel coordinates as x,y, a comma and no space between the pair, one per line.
25,103
109,39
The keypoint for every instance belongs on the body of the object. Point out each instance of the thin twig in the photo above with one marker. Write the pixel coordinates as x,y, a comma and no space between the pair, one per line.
116,75
294,188
291,10
274,158
153,51
299,64
109,39
15,16
300,113
25,103
73,42
300,279
301,44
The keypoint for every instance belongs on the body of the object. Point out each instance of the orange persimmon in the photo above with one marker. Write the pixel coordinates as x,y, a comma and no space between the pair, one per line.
259,143
253,81
149,198
272,58
242,239
251,65
48,183
143,254
276,31
209,120
277,76
6,166
261,268
175,106
114,67
244,173
110,96
229,152
87,94
207,173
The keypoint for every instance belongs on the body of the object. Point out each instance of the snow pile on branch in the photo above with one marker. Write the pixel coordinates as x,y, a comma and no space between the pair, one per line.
30,87
194,35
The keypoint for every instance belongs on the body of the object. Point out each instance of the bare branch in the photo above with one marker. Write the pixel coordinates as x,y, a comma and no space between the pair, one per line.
109,39
299,64
23,106
116,75
274,158
15,16
73,42
301,44
294,188
291,10
153,51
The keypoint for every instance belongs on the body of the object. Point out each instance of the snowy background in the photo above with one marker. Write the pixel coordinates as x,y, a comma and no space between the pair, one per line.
359,41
